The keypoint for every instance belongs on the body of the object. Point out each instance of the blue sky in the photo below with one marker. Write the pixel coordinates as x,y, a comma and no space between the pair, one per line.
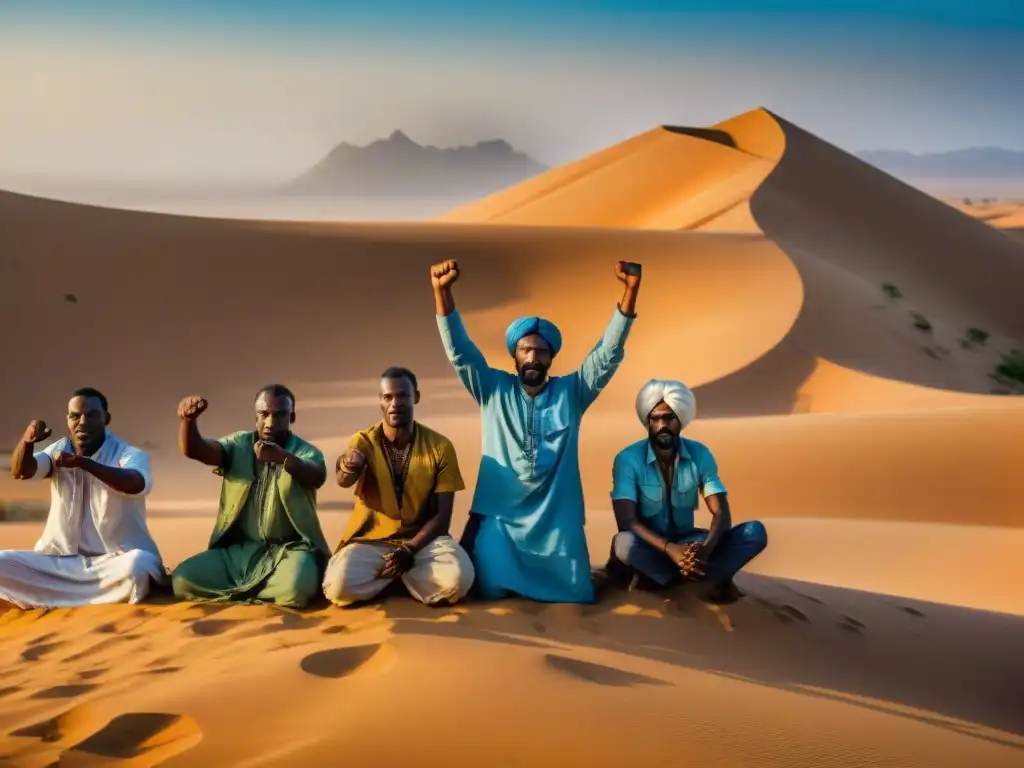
233,88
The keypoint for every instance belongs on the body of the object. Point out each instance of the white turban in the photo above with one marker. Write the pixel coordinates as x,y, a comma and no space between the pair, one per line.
675,395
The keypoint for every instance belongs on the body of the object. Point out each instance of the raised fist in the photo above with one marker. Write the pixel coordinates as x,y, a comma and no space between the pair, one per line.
36,432
444,274
190,408
628,272
353,461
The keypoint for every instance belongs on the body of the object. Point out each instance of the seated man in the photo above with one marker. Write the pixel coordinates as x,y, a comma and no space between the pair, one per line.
406,477
96,547
654,495
526,531
267,545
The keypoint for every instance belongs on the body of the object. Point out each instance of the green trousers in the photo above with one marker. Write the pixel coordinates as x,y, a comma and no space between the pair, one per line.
285,575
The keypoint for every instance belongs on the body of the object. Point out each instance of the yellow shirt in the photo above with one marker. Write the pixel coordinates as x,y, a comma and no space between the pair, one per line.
433,468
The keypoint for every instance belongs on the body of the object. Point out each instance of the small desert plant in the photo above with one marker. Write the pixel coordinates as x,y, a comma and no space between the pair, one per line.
920,322
976,336
1010,369
891,291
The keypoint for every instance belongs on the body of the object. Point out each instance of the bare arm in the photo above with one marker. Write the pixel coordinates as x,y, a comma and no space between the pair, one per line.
628,520
310,473
718,506
438,525
128,481
24,464
198,448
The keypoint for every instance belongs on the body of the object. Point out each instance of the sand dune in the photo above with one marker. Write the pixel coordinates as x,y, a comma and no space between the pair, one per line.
875,450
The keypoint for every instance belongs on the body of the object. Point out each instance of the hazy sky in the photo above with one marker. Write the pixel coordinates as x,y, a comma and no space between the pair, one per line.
233,89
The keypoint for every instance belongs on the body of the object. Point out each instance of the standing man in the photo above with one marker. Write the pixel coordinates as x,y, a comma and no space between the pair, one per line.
96,547
267,545
526,529
406,476
654,494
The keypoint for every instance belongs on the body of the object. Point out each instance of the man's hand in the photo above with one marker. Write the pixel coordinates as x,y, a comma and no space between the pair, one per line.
36,432
628,272
190,408
269,453
397,562
687,558
66,460
353,462
444,274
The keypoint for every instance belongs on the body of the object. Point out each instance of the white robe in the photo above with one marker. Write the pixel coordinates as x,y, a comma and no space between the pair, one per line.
110,558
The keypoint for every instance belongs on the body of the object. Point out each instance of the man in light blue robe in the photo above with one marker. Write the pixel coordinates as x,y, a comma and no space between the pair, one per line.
526,528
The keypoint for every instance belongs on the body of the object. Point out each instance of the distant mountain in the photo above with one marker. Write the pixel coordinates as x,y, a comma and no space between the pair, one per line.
972,163
399,167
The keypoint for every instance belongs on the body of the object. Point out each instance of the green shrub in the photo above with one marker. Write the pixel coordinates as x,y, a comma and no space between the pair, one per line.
1011,368
920,322
891,291
976,336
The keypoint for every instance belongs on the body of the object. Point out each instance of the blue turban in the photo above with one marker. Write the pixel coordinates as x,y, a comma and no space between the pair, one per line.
527,326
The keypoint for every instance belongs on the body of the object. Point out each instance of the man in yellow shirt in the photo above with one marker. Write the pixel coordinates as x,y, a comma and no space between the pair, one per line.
406,477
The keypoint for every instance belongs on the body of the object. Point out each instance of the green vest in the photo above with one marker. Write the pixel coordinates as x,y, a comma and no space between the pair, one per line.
239,475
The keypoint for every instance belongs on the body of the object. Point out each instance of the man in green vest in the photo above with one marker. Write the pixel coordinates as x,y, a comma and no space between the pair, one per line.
267,545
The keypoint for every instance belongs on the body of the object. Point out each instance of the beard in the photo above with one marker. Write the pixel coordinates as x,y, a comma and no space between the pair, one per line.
664,439
533,375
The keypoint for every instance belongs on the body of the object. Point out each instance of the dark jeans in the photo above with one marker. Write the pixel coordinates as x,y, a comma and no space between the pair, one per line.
735,549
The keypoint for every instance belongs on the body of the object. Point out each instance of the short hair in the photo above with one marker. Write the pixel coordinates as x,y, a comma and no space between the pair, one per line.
276,390
397,372
90,392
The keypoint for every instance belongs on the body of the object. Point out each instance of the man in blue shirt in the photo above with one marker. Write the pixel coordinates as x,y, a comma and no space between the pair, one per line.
526,528
655,486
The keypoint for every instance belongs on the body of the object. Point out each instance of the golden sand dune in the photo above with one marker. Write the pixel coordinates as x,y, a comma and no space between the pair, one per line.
765,253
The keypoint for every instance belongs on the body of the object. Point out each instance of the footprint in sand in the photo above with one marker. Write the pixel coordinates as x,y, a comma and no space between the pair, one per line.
214,627
790,613
598,673
64,691
911,611
163,670
12,689
42,638
36,652
852,626
154,736
290,622
96,648
347,662
92,674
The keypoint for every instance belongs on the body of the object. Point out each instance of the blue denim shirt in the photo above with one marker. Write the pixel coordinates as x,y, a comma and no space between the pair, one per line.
636,477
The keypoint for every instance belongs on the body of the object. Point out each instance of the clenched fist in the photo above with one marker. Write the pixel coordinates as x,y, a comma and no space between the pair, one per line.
66,460
190,408
628,272
353,461
269,453
444,274
36,432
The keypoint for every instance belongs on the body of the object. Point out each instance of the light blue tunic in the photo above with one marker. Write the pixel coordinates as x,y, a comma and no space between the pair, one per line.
531,540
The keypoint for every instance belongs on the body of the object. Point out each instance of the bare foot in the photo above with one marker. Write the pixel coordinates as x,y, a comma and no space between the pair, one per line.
723,594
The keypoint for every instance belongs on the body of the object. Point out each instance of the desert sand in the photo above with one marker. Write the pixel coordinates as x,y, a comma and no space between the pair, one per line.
882,627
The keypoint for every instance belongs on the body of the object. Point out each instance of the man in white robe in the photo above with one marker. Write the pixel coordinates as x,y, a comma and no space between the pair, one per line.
96,547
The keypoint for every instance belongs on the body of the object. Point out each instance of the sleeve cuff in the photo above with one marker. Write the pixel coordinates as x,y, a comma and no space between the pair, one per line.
43,464
713,487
